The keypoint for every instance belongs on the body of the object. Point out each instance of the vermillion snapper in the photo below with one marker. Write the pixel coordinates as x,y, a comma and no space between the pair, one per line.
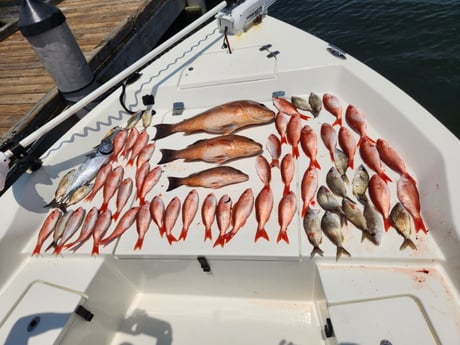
222,119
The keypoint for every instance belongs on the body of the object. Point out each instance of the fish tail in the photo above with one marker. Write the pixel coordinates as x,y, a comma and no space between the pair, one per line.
207,234
183,235
116,215
69,245
282,236
58,249
331,154
305,117
275,163
37,249
228,236
219,242
351,163
261,233
283,140
52,245
174,182
315,164
163,130
408,242
316,250
341,251
386,224
385,177
304,209
162,231
171,238
53,204
420,225
90,196
286,190
130,161
139,243
95,250
337,122
167,156
103,207
295,151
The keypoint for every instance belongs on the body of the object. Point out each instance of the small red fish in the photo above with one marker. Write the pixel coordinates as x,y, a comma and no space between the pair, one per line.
333,105
264,206
293,130
189,210
208,214
263,171
118,143
145,154
124,224
391,157
286,212
223,217
143,220
47,229
141,173
380,196
132,137
371,158
309,143
99,181
281,122
241,212
150,181
140,143
287,108
103,222
287,172
157,211
86,230
71,227
329,137
274,149
308,188
170,217
348,144
409,197
357,122
123,194
111,185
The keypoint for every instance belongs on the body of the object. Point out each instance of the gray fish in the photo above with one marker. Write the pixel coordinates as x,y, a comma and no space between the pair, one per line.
79,194
61,188
341,164
330,224
328,201
356,217
374,222
401,221
301,103
59,228
147,118
335,183
360,183
316,104
312,227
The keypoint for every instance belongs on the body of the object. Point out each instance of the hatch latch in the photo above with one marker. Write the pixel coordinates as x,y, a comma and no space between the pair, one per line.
84,313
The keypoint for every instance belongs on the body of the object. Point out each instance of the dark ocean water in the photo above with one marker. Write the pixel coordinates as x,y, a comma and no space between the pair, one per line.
413,43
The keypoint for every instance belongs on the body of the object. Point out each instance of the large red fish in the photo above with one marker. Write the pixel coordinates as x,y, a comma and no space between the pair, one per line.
380,196
333,105
348,144
264,206
47,229
189,210
286,212
329,137
357,122
371,158
208,214
409,197
309,143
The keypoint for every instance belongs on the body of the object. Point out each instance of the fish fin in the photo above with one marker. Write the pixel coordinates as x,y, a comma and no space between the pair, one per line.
37,249
58,249
337,122
261,233
183,235
207,234
351,163
228,236
95,250
420,225
331,154
304,209
163,130
362,198
52,204
275,163
171,238
385,177
90,197
103,207
386,224
286,190
131,161
295,151
282,236
341,251
316,250
162,231
220,241
116,215
345,178
315,164
174,182
167,156
139,243
408,242
283,140
305,117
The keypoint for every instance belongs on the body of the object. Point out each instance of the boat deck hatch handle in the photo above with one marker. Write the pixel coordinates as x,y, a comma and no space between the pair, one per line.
84,313
265,47
148,99
178,108
204,264
328,329
273,54
278,94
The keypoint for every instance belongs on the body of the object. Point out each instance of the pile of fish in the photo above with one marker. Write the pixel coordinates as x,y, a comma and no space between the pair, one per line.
127,151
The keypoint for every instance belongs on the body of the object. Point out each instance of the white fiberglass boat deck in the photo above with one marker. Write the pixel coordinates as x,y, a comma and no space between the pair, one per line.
264,292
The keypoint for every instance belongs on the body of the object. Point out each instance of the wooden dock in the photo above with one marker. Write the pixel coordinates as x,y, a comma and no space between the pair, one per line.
101,28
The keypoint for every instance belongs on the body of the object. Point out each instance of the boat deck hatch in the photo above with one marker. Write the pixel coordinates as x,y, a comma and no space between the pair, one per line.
220,68
39,316
398,320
